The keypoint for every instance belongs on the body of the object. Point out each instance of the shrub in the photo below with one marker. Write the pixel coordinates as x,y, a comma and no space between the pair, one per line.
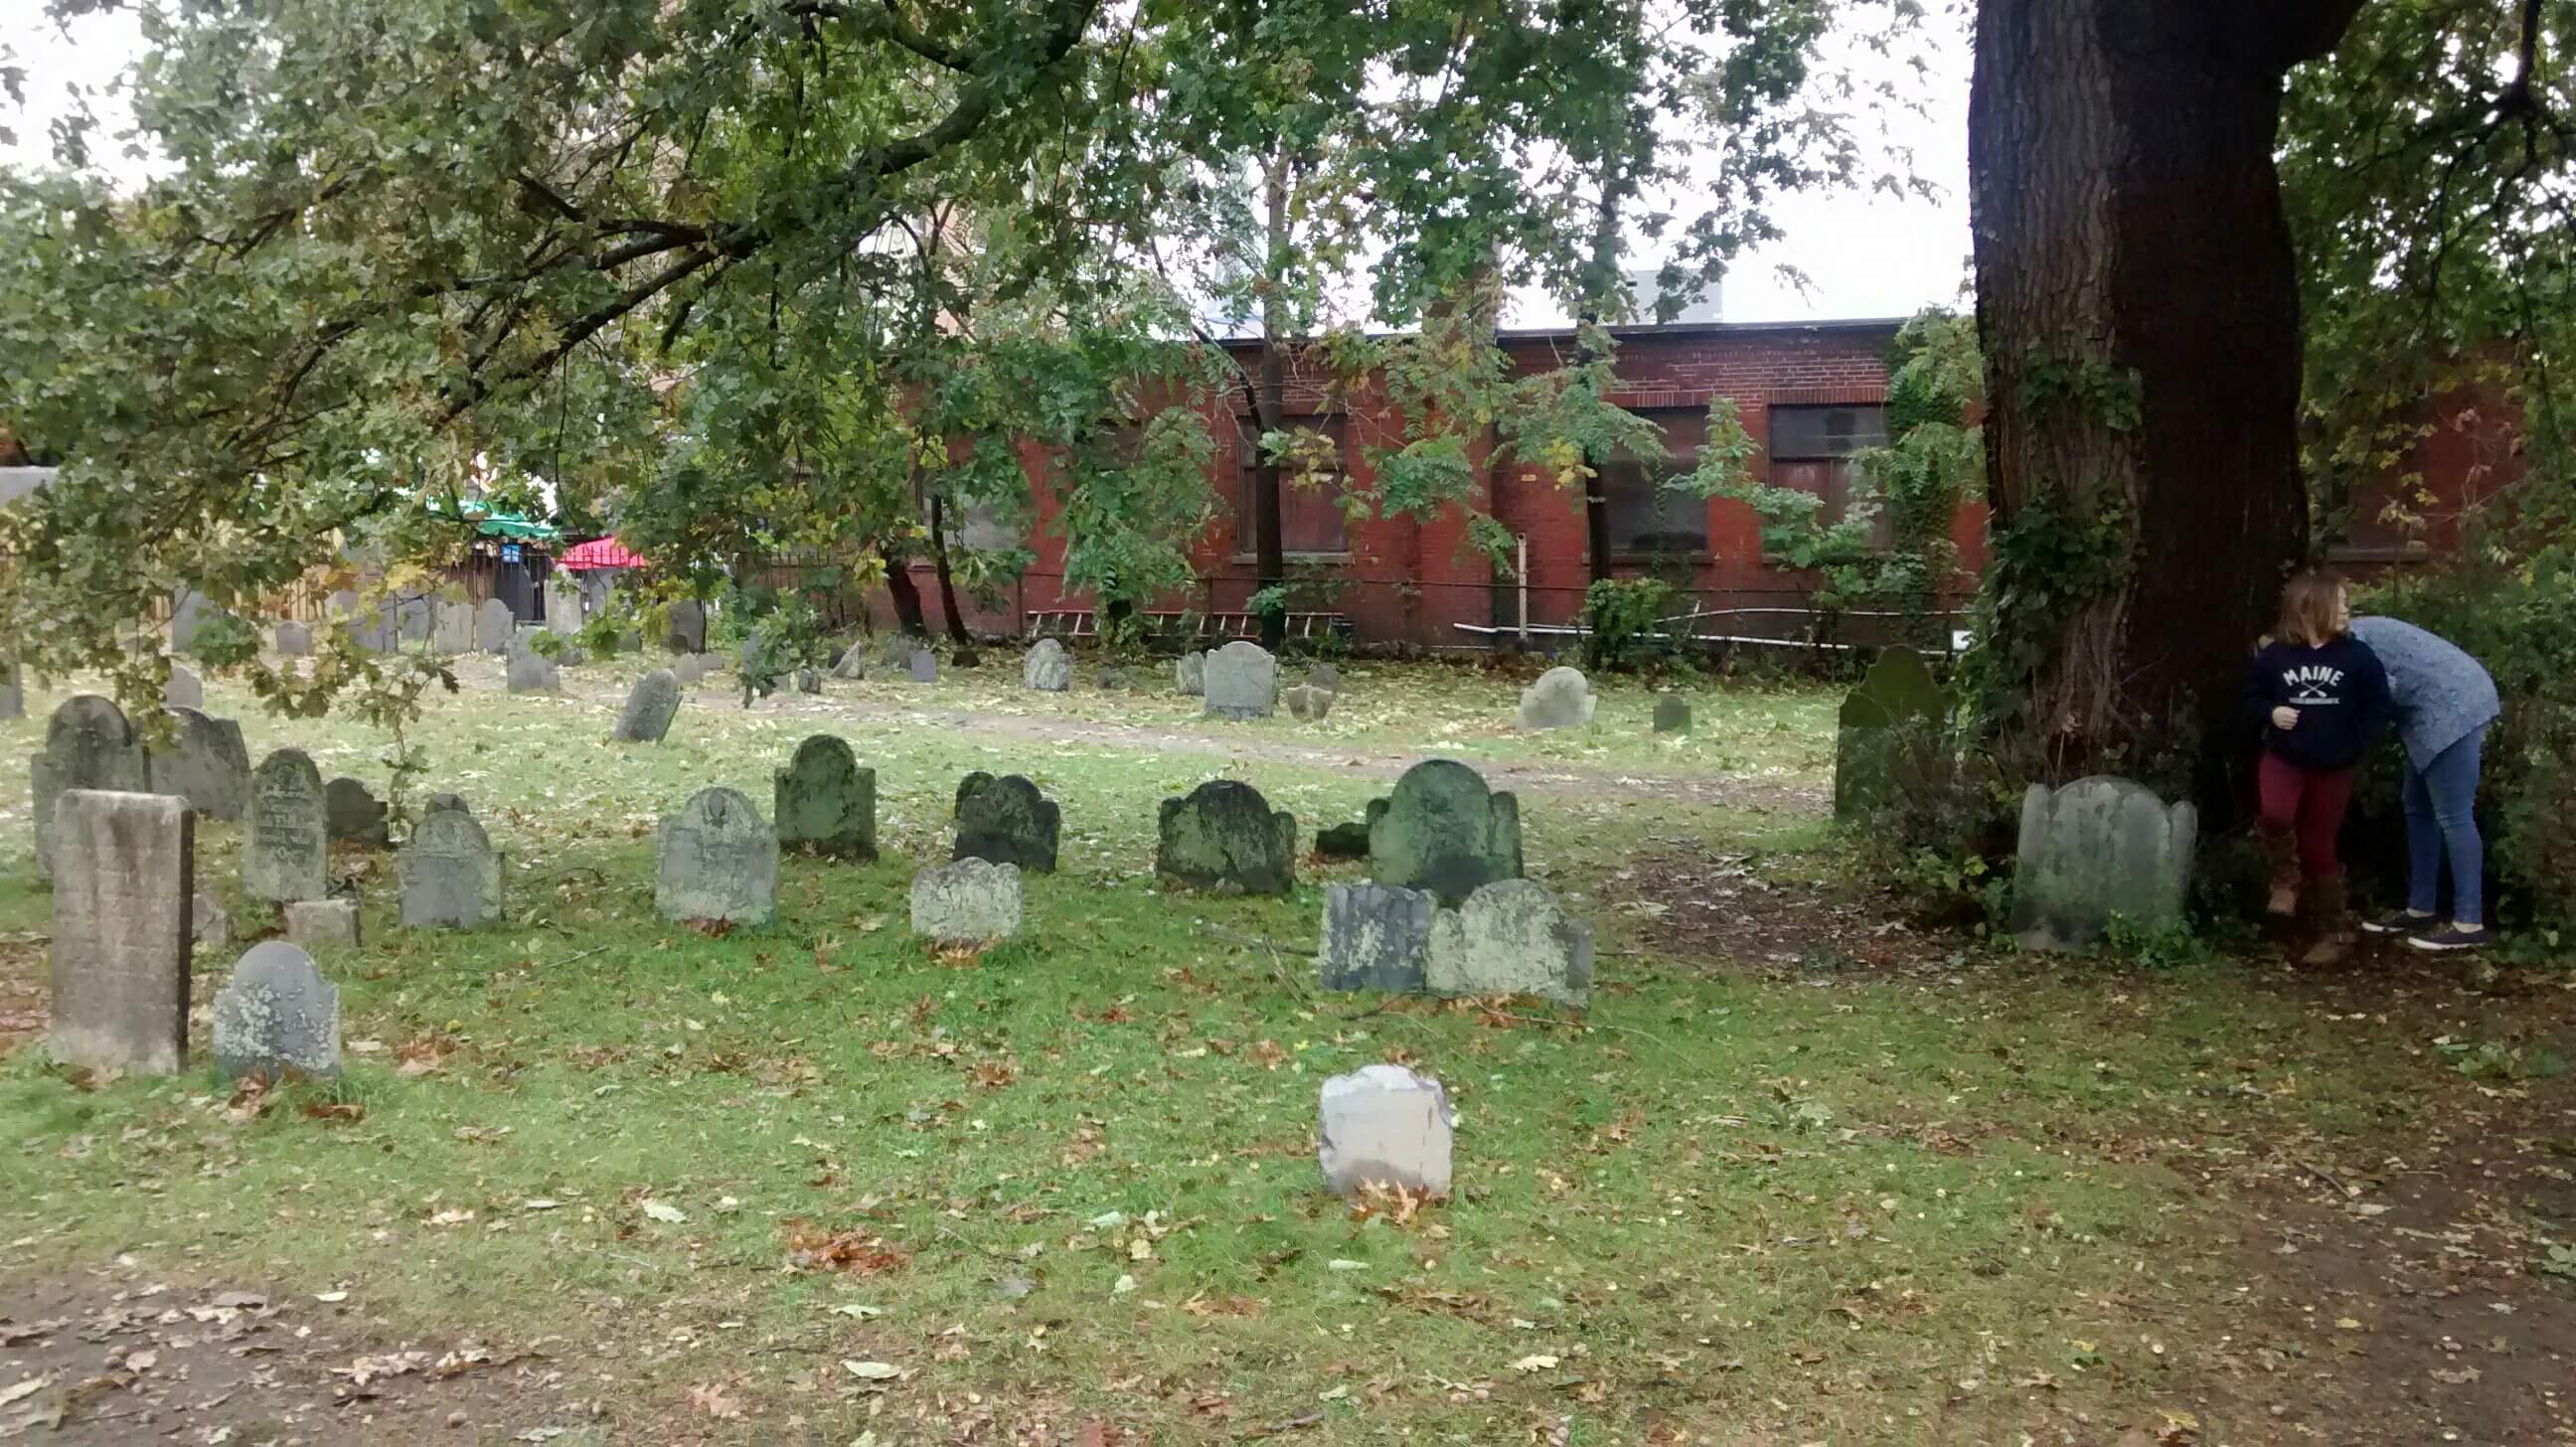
1625,616
225,640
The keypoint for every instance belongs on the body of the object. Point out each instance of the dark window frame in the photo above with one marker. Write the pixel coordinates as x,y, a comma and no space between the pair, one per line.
1247,465
1836,463
1668,509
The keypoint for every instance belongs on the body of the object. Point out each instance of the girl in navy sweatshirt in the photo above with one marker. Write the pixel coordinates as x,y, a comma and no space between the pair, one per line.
2320,697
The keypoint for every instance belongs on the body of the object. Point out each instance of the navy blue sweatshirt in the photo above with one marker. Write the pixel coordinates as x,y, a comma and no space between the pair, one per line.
2340,691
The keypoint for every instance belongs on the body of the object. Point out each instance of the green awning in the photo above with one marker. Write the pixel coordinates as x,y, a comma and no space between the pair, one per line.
492,524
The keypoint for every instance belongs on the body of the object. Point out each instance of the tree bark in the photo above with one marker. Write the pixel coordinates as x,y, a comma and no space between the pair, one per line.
2137,302
1599,286
906,595
1270,557
939,566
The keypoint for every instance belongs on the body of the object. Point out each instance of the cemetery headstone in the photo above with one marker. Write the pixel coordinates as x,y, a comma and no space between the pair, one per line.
854,663
205,763
288,854
413,618
1385,1126
1048,668
895,650
450,873
125,869
1006,820
1376,937
494,626
1307,703
341,606
650,707
184,690
13,694
2097,848
533,673
1190,673
685,670
190,612
1672,716
277,1019
717,860
809,680
1510,938
210,925
452,629
1346,840
323,925
563,606
1892,713
1561,699
966,902
1226,838
1241,681
88,745
294,640
1443,830
826,804
923,666
1112,680
355,814
1325,676
688,627
377,632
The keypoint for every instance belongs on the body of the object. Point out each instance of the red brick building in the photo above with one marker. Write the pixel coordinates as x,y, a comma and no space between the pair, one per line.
1811,393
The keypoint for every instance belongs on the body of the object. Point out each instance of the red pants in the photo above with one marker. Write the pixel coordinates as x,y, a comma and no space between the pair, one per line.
2309,802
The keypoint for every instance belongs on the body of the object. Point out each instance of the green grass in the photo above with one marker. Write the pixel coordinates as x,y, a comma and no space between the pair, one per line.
1730,1206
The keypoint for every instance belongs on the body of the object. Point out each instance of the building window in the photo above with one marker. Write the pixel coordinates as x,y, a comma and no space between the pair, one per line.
1646,515
1311,520
1811,451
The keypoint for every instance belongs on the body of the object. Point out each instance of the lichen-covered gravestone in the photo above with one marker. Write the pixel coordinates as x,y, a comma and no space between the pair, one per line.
450,873
451,629
1672,716
826,804
1385,1126
2097,848
687,632
923,667
1048,668
288,854
493,626
184,690
1307,703
294,640
1241,681
1006,820
326,925
1189,673
1325,676
1561,699
205,763
125,867
88,745
354,814
277,1018
650,708
531,672
854,663
717,860
1444,831
1889,716
1376,937
966,902
1226,838
1510,938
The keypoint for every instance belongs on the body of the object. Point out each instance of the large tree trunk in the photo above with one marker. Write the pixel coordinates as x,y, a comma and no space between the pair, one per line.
1600,285
2137,303
939,566
1270,557
906,594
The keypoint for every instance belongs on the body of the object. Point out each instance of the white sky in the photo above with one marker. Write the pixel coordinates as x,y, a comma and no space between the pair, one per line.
1864,253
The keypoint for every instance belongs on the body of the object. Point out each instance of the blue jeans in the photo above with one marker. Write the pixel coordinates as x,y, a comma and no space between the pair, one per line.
2442,820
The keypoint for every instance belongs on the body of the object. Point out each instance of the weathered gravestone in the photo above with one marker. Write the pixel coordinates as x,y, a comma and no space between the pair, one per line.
1561,699
294,640
1189,672
1007,821
686,670
1885,723
1326,676
450,873
1510,938
854,663
277,1018
13,693
563,605
1376,937
494,625
452,629
1225,837
184,690
1112,680
124,877
354,814
205,763
1241,681
650,707
190,612
413,617
210,925
1048,668
88,745
826,804
341,606
531,672
809,680
1385,1126
288,854
2098,848
1346,840
324,925
1307,703
717,860
1672,716
687,632
923,667
966,902
1444,831
377,632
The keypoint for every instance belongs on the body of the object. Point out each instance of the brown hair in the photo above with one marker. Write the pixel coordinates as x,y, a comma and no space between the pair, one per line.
2308,608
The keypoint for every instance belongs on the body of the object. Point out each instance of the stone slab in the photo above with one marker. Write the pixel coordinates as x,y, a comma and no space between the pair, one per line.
124,889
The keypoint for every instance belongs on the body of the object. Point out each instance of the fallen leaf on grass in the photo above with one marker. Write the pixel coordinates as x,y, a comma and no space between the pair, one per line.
452,1216
668,1215
249,1100
712,1399
714,929
855,1252
24,1390
377,1368
338,1112
1536,1362
872,1371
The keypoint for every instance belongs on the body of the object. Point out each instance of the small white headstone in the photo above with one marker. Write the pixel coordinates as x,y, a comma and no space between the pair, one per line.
1561,699
1385,1125
967,902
